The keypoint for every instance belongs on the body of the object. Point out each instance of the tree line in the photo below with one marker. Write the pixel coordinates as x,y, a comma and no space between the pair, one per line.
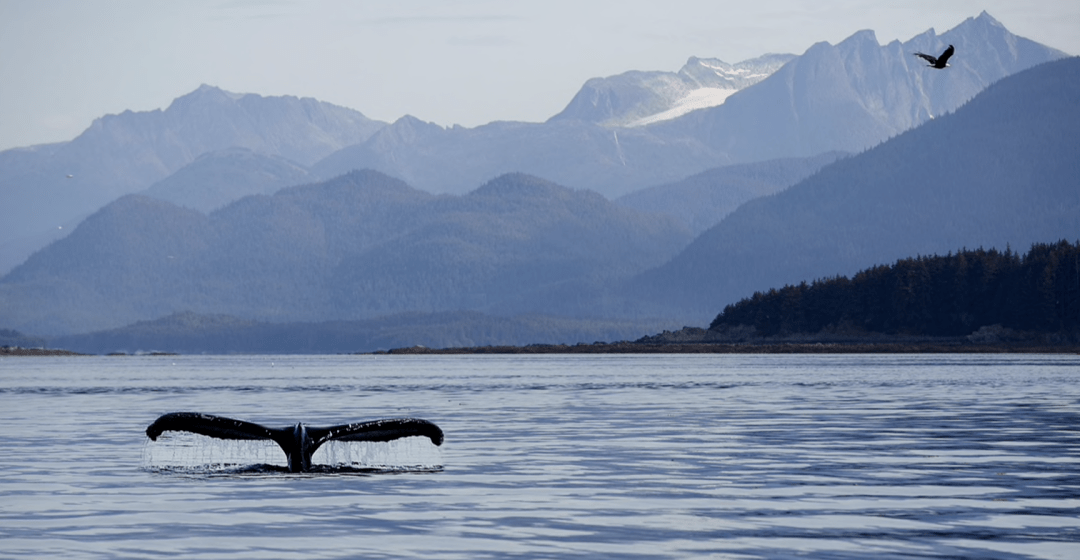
950,295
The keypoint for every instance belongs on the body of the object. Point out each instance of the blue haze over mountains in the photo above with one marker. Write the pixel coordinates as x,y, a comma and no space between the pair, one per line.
846,97
355,247
505,219
125,153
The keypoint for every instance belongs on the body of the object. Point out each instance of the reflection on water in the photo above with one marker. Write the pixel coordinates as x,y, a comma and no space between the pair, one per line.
190,453
550,456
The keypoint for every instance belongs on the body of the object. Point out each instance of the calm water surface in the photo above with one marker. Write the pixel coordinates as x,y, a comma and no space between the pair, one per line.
555,457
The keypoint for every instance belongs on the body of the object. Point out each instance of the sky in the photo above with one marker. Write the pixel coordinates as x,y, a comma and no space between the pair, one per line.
64,63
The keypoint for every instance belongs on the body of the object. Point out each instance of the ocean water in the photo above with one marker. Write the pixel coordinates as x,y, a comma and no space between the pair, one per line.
605,456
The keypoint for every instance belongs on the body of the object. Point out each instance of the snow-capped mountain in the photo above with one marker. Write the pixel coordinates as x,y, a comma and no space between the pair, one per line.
639,98
857,93
845,97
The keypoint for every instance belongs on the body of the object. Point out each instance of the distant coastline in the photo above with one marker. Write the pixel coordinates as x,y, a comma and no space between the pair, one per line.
19,351
684,342
881,347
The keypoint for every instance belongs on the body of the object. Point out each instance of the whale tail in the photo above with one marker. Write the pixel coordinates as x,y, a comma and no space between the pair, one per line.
299,442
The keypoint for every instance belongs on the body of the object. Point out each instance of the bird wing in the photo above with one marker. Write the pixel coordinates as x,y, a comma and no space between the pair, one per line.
945,55
207,425
929,58
378,430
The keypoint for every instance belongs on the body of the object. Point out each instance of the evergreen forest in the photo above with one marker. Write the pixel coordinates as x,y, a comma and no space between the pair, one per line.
950,295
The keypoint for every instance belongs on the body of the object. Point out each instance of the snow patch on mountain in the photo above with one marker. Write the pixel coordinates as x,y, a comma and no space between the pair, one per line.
696,99
638,98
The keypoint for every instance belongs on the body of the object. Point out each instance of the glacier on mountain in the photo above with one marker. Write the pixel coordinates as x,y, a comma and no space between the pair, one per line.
702,98
638,98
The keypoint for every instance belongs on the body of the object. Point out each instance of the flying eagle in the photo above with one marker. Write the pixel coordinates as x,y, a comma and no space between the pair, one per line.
937,61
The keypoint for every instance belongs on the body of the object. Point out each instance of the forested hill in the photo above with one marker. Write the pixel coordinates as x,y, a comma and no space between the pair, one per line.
952,295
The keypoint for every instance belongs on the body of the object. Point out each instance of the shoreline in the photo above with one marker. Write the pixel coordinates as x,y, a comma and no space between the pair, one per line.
876,347
747,348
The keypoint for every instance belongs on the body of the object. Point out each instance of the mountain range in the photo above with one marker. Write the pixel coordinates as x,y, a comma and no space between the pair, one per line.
355,247
1003,170
853,95
617,135
218,230
846,97
48,189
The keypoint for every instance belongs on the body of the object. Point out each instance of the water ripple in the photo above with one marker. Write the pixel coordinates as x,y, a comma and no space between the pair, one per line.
619,457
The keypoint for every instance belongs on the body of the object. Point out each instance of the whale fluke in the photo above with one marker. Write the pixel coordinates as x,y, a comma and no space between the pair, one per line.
299,442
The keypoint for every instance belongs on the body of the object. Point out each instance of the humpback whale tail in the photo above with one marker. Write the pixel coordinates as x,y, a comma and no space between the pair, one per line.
299,442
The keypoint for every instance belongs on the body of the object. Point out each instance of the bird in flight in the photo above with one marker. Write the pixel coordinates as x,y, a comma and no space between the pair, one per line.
937,61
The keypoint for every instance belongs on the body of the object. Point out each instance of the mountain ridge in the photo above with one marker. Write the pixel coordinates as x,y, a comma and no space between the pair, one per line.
1002,169
354,247
54,185
214,179
845,97
369,244
702,200
857,93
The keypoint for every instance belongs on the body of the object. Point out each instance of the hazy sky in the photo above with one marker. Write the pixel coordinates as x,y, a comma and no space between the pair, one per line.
64,63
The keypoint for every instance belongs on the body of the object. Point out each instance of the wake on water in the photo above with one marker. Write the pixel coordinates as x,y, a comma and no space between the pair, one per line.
190,453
